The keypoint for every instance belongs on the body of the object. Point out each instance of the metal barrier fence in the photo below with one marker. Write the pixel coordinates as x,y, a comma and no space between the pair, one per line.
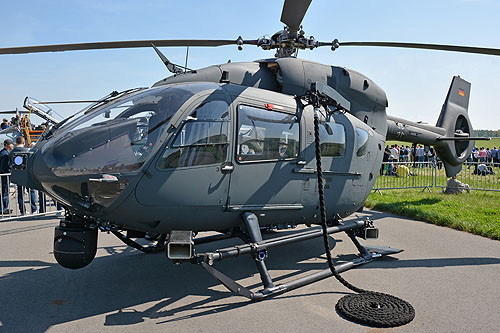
17,201
479,176
402,175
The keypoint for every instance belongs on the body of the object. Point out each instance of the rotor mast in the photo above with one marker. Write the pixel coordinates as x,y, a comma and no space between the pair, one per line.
287,43
292,38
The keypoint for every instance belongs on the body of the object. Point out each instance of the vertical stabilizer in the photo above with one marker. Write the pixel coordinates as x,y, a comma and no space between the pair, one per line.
454,118
451,135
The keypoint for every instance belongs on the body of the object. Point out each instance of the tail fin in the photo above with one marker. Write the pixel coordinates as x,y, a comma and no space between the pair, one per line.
454,118
452,137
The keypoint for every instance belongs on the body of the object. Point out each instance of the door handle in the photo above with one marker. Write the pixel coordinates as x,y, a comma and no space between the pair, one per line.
104,179
227,167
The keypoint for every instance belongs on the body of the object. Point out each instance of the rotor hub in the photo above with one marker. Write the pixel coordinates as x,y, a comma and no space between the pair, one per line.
287,43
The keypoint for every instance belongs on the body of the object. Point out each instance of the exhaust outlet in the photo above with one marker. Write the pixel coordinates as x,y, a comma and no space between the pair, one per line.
180,245
371,233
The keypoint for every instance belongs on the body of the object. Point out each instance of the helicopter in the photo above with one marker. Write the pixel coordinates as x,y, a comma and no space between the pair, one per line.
232,148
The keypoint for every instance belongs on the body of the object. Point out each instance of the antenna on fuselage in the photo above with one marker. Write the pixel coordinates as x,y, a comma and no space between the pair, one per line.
172,68
187,56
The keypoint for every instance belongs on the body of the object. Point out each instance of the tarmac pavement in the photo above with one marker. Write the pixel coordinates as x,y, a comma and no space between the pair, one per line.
451,278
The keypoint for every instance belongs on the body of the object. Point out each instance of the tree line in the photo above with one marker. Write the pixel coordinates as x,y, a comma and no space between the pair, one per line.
488,133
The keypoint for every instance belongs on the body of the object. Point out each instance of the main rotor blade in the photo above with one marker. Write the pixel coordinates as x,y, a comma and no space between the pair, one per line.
119,45
293,13
453,48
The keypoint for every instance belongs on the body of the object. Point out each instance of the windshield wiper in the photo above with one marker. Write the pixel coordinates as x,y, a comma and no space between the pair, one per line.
112,96
50,130
106,99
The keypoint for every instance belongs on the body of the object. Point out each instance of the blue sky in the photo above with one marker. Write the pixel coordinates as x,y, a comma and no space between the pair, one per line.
415,81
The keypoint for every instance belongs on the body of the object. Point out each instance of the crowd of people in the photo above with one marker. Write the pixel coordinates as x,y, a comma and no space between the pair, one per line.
483,159
18,121
485,155
416,154
15,121
9,148
397,160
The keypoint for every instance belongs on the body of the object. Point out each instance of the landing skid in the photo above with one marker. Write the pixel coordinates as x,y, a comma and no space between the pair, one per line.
257,247
382,250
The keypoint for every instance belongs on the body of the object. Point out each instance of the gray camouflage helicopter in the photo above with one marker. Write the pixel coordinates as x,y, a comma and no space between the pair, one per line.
231,148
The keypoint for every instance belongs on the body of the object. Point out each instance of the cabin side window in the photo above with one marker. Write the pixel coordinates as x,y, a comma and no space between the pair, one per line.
264,135
202,138
332,138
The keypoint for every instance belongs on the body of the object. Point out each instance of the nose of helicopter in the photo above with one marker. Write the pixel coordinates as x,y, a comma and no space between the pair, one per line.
89,168
89,161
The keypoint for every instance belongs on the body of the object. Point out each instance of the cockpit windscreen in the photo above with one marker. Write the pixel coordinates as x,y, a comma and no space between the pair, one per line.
117,137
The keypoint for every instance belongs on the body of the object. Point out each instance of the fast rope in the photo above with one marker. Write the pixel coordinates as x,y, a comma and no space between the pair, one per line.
366,307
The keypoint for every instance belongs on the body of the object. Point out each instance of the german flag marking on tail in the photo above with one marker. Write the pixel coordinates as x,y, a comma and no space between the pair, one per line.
461,92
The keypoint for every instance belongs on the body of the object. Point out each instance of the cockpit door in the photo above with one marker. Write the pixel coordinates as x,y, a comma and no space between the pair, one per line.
267,154
189,171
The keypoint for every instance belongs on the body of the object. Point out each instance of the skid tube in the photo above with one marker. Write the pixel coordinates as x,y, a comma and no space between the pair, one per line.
367,254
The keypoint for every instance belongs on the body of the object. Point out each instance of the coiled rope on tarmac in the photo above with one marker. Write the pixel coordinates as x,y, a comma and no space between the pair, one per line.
366,307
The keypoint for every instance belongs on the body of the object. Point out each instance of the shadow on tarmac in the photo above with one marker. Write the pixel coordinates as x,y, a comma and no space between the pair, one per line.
391,262
128,282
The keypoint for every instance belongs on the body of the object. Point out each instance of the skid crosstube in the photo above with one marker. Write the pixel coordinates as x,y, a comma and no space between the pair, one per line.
259,248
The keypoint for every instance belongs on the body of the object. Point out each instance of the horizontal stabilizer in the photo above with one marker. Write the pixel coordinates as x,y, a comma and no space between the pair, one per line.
463,138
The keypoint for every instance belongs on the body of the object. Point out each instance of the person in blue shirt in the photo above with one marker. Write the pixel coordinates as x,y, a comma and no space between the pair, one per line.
20,142
8,145
5,124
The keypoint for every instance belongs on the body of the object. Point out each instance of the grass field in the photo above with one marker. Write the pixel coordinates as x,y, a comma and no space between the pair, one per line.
494,142
477,212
